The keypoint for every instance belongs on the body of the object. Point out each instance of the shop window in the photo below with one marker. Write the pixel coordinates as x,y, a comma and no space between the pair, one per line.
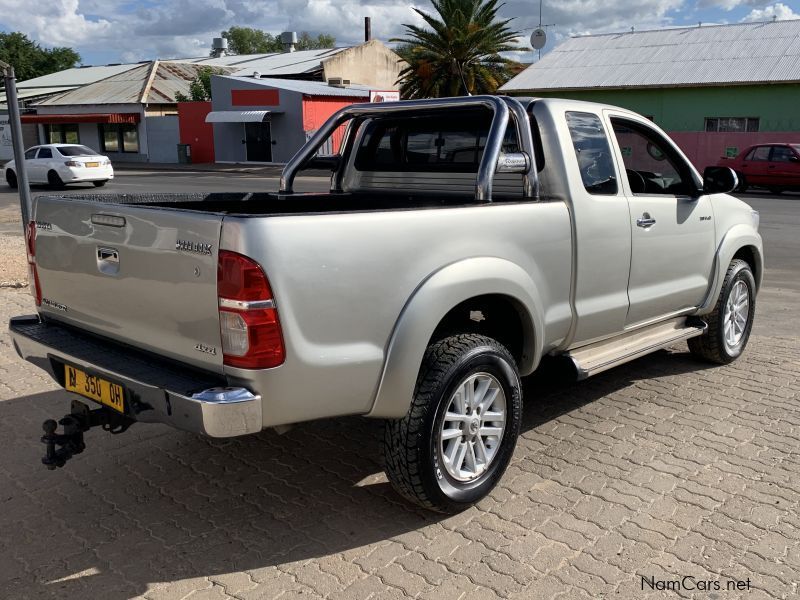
734,124
119,137
66,133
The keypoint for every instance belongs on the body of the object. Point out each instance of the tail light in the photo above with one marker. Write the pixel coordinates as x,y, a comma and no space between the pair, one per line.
33,274
248,319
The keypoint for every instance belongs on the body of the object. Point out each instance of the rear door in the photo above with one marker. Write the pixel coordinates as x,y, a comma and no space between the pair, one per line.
672,227
32,165
755,166
142,276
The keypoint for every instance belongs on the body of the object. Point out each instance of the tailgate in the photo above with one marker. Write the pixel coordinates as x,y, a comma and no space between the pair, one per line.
142,276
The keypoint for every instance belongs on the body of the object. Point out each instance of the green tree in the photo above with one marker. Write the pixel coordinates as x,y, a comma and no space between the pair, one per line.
246,40
30,60
459,52
200,87
305,41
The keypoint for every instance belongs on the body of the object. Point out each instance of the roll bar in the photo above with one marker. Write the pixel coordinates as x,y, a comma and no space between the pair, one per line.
501,107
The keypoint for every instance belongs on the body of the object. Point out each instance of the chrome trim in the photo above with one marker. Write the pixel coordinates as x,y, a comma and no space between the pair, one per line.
530,180
245,305
494,141
215,412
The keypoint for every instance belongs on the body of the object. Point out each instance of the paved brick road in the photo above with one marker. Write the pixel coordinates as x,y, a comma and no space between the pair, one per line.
662,468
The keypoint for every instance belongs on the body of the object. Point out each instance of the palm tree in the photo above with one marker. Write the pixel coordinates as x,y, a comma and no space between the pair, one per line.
460,52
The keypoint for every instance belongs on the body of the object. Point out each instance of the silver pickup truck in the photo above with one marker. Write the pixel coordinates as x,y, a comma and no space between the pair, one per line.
462,241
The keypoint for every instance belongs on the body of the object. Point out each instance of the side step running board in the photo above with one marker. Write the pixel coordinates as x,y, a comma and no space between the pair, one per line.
600,356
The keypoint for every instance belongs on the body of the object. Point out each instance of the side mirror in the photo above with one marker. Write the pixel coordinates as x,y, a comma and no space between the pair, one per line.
329,162
719,180
794,159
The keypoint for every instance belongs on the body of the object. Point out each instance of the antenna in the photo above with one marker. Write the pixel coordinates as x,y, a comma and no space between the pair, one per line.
539,35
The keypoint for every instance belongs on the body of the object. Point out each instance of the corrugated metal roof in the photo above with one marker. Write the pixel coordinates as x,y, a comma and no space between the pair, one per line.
237,116
33,93
278,63
76,76
687,56
156,82
309,88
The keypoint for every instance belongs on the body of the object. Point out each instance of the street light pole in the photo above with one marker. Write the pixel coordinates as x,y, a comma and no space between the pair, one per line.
16,138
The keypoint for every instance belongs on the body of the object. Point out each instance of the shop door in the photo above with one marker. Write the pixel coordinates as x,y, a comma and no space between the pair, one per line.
258,140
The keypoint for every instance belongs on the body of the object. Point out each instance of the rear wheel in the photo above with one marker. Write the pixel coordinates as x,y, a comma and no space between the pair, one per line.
100,183
54,180
456,441
11,179
730,324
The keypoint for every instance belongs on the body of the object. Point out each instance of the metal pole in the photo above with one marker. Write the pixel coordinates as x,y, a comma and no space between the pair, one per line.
16,138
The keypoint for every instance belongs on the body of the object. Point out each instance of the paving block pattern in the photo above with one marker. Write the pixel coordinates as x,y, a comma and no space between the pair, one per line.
664,478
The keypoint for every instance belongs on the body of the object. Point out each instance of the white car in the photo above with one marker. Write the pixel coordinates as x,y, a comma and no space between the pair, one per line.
59,164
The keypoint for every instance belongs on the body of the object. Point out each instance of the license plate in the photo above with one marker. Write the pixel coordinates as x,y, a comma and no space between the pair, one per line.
97,389
95,164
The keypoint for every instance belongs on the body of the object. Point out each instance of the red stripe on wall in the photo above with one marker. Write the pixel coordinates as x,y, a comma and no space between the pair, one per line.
255,98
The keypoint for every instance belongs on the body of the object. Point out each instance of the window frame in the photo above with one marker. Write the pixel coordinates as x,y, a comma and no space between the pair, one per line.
575,150
787,148
747,122
681,165
61,129
39,154
119,129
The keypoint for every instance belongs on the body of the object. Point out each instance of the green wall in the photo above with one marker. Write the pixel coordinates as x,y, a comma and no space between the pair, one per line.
684,109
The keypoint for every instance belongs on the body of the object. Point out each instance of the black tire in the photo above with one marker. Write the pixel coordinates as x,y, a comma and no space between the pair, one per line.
742,185
11,179
412,449
54,180
712,346
100,183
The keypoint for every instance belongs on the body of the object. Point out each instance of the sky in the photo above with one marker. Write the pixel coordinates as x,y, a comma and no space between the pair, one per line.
114,31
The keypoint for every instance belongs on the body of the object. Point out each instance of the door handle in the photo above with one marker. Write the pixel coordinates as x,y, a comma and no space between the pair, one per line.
645,221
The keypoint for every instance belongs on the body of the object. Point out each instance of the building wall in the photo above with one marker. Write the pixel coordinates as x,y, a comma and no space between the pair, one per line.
372,64
195,131
685,109
317,110
286,122
89,133
163,136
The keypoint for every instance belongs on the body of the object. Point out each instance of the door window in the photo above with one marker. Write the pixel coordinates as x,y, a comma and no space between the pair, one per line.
651,165
593,153
45,153
31,153
782,154
759,153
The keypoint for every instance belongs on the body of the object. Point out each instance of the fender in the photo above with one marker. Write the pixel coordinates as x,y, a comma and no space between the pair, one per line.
736,238
430,302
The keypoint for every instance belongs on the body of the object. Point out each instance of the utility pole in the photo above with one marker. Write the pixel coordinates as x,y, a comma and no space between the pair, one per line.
16,139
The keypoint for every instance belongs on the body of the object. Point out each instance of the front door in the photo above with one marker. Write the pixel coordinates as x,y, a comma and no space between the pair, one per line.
672,226
784,167
258,140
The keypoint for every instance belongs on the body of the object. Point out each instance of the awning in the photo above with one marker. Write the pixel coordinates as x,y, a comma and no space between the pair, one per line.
83,118
238,116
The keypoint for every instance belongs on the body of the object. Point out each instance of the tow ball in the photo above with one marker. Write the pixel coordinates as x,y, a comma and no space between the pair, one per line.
63,446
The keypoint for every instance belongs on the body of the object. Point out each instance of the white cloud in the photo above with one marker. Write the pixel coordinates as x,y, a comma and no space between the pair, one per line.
52,23
777,11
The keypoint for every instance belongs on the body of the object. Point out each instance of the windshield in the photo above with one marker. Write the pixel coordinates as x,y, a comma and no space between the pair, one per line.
76,151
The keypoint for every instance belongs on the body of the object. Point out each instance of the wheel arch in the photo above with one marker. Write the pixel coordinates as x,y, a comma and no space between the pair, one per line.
741,242
436,308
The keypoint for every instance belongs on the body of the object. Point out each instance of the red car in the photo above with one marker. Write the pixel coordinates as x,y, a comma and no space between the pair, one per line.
773,166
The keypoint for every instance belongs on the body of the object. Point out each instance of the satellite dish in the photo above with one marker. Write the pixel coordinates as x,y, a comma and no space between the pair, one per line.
538,39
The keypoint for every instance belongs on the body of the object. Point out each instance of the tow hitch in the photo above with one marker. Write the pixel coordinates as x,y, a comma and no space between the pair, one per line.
79,420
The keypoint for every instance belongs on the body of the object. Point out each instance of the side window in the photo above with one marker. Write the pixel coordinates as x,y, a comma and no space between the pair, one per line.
31,153
650,164
593,153
760,153
45,153
781,154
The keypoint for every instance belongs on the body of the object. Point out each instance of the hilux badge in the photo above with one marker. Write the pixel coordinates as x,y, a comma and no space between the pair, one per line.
196,247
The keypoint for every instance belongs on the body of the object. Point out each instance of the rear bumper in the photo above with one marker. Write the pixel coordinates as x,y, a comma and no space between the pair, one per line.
156,390
87,174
